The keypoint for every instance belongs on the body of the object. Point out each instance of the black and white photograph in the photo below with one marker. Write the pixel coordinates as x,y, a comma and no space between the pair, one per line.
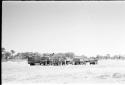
63,0
63,42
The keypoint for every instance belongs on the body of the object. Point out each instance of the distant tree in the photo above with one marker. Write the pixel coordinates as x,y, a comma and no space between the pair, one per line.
18,56
116,57
59,56
36,54
107,56
25,55
70,55
12,52
3,49
21,55
121,57
46,54
83,56
99,56
7,55
3,52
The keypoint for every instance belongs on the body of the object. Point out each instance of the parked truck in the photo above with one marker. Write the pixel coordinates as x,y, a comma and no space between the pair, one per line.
34,59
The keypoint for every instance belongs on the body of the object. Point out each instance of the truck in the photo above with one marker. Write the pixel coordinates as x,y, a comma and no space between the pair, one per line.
34,59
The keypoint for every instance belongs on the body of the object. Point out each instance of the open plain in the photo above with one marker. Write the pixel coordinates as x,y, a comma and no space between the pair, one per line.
106,72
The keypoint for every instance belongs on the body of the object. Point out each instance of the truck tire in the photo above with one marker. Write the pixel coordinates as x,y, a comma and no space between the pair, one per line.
32,64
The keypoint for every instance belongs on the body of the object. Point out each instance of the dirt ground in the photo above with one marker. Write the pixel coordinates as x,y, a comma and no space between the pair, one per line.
105,72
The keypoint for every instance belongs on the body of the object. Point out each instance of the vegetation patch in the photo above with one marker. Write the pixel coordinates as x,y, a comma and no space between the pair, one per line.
104,76
116,75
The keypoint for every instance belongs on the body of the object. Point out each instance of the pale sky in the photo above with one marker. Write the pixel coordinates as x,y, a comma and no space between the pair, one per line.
88,28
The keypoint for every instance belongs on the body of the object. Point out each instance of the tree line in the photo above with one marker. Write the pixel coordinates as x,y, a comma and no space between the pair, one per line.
12,55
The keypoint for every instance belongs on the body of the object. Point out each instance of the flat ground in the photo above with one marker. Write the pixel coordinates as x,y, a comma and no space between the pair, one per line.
106,72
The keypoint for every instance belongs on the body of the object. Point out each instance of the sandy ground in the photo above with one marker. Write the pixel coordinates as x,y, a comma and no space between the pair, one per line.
106,72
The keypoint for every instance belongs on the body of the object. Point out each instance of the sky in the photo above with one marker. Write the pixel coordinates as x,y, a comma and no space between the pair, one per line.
88,28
